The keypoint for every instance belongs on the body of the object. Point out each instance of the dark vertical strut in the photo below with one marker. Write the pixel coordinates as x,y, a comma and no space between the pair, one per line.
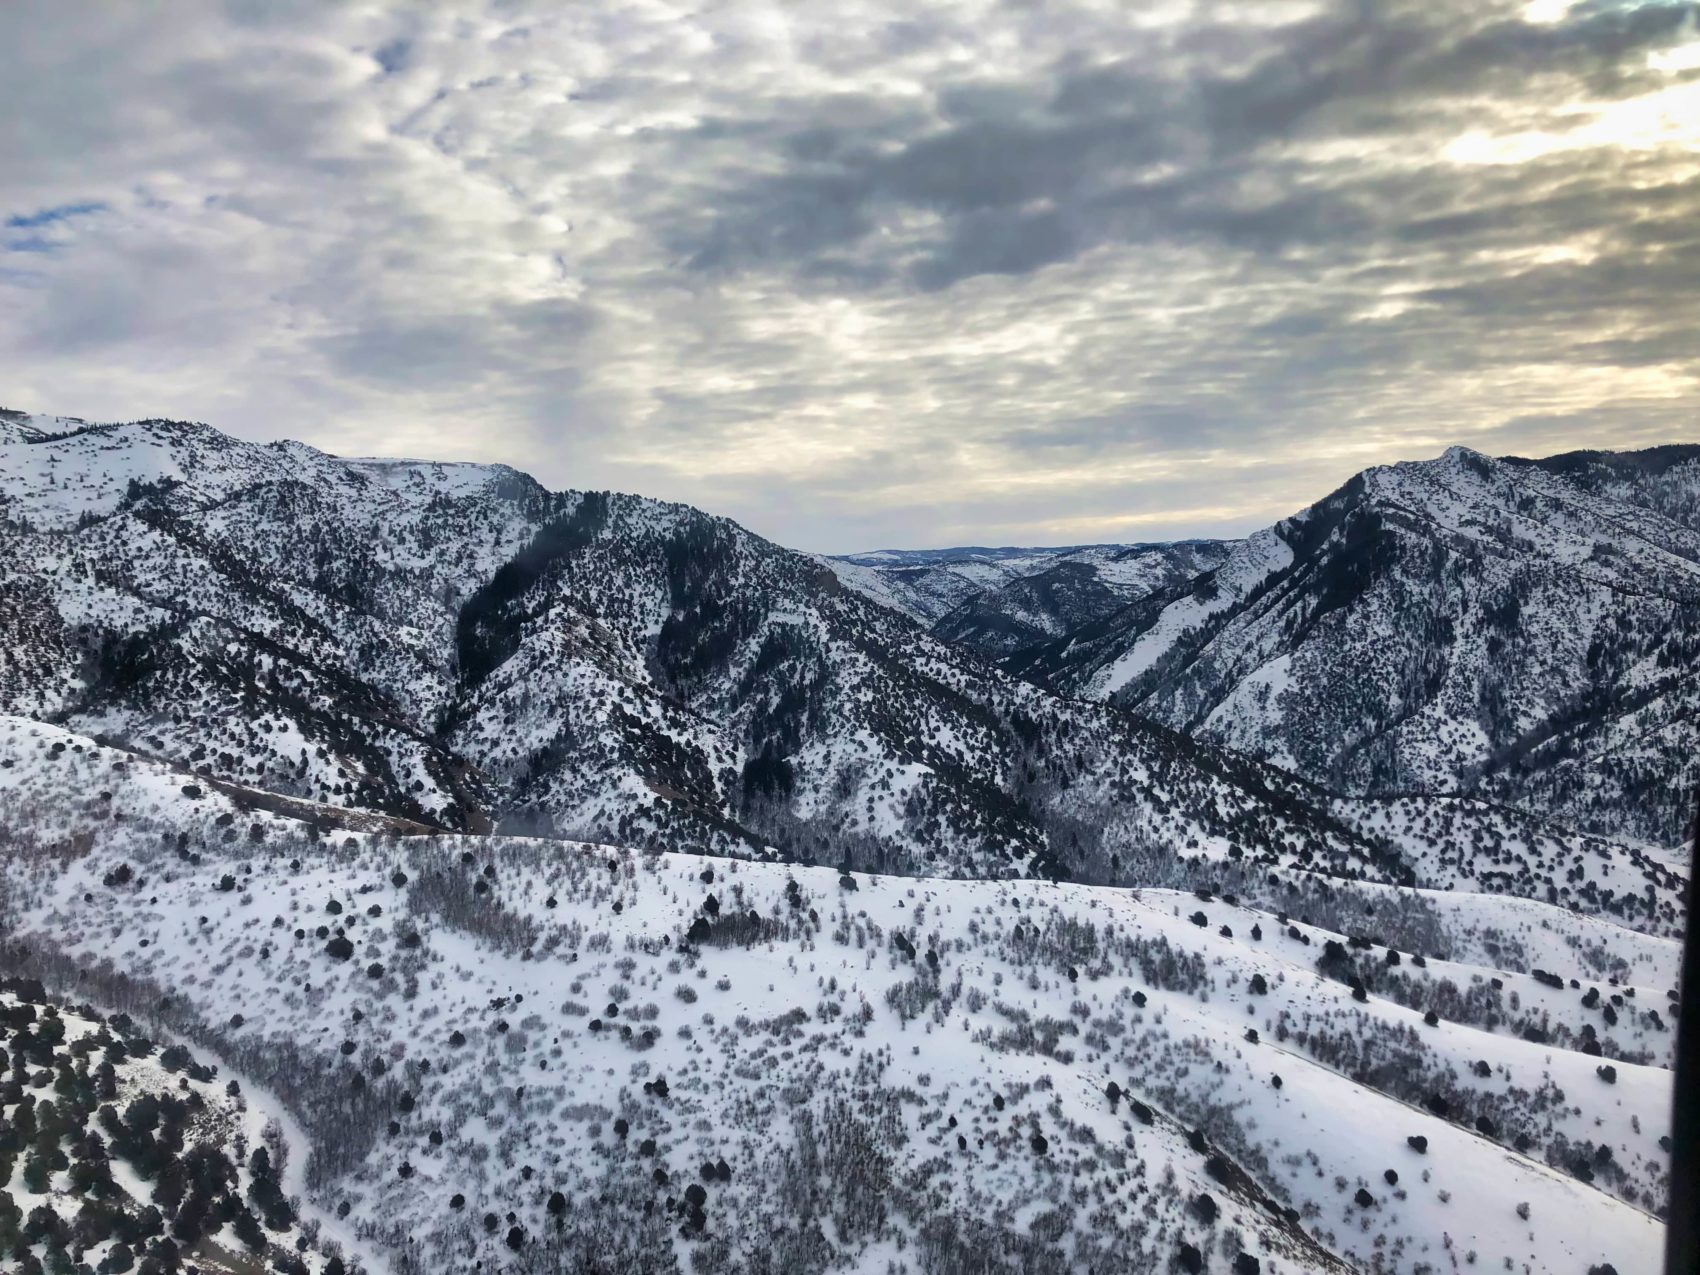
1682,1239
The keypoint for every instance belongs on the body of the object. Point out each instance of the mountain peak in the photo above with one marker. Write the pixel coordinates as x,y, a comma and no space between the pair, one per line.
1459,453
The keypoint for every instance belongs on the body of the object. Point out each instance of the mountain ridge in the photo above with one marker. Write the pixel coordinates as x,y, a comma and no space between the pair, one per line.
455,646
1420,577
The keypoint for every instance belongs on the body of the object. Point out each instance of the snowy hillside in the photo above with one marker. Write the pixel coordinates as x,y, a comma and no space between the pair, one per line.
1526,630
544,1055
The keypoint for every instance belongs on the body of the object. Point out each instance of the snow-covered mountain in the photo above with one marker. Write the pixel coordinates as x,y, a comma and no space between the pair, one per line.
456,646
1524,630
998,601
578,881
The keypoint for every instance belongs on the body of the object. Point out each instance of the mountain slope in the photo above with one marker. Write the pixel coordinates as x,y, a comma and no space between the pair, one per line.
269,614
544,1055
1525,630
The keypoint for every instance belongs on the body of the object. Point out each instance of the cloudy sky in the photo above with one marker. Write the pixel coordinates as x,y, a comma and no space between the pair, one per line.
873,272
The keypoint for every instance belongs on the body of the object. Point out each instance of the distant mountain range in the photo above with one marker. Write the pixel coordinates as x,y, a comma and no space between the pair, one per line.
999,601
1524,630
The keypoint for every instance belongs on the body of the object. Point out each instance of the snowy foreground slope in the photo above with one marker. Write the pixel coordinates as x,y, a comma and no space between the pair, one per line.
1525,630
542,1055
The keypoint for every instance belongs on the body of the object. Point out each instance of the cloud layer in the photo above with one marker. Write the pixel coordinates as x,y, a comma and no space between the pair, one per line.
868,273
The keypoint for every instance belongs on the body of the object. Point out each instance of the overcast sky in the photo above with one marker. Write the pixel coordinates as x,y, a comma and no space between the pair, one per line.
863,274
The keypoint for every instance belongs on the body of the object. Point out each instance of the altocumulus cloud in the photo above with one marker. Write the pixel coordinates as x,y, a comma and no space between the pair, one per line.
867,273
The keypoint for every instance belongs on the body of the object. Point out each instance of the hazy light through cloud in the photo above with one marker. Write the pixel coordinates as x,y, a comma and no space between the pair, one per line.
867,274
